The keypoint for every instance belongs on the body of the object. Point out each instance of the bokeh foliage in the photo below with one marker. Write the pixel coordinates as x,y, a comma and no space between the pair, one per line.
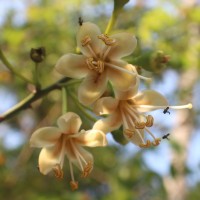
162,30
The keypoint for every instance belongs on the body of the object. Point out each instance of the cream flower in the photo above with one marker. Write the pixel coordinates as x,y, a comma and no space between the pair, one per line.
66,140
100,62
129,113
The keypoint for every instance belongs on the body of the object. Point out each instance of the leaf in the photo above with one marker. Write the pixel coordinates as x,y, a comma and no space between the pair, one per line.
118,5
119,137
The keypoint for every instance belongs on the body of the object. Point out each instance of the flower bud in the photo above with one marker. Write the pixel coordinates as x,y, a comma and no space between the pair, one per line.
37,55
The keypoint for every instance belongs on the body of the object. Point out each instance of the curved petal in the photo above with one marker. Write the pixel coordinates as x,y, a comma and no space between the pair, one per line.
108,124
69,123
45,137
150,98
121,80
92,87
48,158
136,138
128,94
105,105
91,30
125,45
91,138
72,65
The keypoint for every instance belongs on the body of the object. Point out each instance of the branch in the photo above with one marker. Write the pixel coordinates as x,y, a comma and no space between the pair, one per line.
26,103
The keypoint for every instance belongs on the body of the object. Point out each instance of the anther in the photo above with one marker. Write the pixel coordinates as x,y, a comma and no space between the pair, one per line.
129,133
58,171
74,185
140,125
86,40
96,66
107,40
149,121
156,142
145,145
87,170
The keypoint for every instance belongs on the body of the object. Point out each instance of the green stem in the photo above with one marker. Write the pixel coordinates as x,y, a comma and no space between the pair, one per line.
26,102
36,77
82,108
110,23
10,67
64,100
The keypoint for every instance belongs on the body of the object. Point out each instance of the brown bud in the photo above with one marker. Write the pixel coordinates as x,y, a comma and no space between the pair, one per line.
37,55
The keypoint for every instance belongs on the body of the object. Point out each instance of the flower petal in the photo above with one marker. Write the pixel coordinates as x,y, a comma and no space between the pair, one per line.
91,138
69,123
92,87
72,65
48,158
91,30
108,124
105,105
150,98
136,138
125,45
132,91
121,80
45,137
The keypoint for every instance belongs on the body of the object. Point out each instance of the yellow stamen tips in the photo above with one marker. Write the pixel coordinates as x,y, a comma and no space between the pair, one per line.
107,40
129,133
74,185
86,40
147,145
149,121
97,66
87,170
58,171
140,125
156,142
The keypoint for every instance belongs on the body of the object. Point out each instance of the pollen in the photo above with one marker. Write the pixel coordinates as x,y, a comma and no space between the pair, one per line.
74,185
156,142
140,125
97,66
107,40
145,145
58,171
149,121
129,133
87,170
86,41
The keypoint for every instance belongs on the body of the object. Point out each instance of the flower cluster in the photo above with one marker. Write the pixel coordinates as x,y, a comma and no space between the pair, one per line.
100,62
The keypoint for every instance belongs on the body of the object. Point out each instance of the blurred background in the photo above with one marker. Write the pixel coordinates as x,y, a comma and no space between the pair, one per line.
164,29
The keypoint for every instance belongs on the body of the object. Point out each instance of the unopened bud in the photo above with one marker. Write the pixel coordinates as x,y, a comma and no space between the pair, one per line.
38,55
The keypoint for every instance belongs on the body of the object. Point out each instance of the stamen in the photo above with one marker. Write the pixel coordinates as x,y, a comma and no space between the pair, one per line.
58,171
156,142
189,106
74,185
129,133
87,169
148,144
128,72
96,66
107,40
149,121
139,125
86,41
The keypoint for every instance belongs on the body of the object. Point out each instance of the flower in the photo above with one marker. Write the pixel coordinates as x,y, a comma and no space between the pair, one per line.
56,142
100,62
129,113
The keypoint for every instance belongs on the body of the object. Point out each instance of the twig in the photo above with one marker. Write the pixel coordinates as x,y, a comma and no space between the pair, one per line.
26,103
